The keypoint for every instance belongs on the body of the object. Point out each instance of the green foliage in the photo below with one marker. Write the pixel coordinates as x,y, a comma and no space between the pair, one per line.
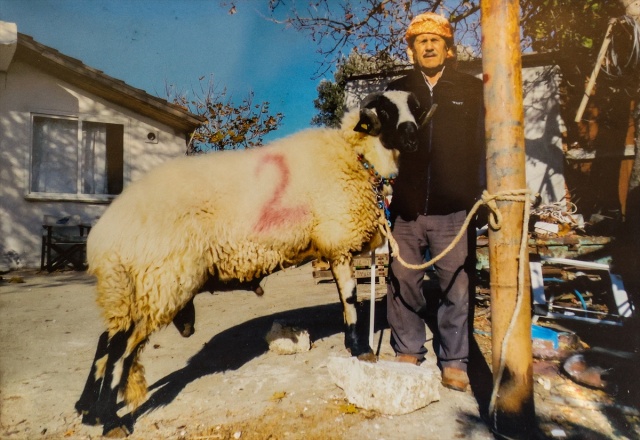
228,126
331,94
329,103
570,26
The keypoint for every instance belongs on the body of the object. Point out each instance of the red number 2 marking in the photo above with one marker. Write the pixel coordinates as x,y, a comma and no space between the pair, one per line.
274,213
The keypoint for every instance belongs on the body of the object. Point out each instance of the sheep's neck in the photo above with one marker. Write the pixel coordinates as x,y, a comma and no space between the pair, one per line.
376,177
377,183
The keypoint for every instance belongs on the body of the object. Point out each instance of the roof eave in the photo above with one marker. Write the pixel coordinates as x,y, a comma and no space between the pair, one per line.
94,81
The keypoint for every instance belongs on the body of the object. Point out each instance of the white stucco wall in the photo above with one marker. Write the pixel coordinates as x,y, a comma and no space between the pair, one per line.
543,128
25,90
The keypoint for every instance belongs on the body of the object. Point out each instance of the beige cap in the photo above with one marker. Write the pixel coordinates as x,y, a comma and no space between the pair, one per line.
430,23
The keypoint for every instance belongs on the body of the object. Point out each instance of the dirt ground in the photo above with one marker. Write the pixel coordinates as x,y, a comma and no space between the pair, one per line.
224,383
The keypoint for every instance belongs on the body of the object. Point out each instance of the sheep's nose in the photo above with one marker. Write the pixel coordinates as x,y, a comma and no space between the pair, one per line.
408,136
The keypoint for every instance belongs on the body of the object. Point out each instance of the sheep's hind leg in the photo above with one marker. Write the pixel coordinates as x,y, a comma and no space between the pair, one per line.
185,319
346,283
115,373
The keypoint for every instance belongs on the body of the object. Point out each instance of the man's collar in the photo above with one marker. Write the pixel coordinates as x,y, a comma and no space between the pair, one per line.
426,79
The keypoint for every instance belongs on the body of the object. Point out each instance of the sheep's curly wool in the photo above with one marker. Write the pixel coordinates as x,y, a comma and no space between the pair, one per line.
232,215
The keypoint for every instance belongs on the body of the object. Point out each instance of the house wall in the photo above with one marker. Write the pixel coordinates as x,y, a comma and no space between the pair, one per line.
543,125
25,90
543,129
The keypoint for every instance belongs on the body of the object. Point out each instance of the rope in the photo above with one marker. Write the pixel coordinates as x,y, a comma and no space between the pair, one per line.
560,212
495,222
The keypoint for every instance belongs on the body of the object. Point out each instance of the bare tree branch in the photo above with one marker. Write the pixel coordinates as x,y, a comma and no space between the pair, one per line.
377,27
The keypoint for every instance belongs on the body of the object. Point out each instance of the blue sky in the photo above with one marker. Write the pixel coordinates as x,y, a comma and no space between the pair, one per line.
150,43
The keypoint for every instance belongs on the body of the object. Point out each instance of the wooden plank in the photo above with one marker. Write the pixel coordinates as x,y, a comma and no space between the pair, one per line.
361,266
322,274
358,261
365,273
381,260
359,273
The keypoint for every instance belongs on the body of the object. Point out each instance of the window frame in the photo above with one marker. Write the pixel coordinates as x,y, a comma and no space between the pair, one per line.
78,196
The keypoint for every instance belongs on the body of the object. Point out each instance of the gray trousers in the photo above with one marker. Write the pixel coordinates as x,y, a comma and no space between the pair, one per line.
406,303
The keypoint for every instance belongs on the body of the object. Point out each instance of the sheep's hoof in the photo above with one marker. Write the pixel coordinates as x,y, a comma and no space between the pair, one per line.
185,320
89,418
368,357
117,432
118,428
363,352
187,330
82,408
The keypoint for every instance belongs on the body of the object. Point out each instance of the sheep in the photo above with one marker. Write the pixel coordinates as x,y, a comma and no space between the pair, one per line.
237,215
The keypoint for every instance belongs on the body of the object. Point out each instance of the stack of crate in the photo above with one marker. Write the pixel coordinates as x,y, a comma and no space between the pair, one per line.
361,266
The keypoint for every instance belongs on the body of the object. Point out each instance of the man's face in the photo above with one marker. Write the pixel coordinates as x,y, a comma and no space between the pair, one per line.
429,51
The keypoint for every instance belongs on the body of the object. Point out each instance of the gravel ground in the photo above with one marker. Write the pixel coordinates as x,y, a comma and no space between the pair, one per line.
224,383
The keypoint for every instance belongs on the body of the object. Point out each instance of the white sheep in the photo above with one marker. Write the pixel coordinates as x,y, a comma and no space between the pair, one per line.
237,215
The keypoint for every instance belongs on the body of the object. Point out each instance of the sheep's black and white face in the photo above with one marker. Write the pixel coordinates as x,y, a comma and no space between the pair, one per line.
392,116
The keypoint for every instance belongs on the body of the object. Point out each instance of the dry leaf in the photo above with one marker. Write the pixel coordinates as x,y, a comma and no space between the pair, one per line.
348,408
278,396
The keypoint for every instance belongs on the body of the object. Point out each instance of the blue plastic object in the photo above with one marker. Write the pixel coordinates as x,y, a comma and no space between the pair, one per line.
545,333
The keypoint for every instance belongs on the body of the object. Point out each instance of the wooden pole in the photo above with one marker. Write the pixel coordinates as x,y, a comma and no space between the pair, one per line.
596,70
372,305
511,412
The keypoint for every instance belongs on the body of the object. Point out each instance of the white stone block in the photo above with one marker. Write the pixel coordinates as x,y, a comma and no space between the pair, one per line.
286,339
391,388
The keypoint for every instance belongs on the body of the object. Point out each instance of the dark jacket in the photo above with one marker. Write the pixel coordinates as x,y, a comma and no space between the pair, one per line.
446,174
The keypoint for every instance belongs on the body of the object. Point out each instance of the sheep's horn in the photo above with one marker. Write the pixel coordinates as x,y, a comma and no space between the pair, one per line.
371,97
428,116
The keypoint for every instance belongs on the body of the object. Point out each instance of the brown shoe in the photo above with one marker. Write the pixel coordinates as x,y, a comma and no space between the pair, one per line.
407,358
455,379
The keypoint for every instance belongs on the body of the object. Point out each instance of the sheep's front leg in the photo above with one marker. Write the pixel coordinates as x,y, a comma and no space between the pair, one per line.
357,345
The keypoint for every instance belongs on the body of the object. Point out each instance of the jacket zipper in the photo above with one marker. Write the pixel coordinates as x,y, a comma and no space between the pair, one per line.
426,202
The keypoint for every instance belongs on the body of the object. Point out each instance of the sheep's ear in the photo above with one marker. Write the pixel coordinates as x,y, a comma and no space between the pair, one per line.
368,123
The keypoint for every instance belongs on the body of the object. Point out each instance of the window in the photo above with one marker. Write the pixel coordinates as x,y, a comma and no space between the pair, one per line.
76,157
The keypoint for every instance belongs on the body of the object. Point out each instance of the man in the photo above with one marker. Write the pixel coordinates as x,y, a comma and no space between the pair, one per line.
434,189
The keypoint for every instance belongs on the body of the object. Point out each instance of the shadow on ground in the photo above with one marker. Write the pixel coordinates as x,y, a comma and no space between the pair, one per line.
234,347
